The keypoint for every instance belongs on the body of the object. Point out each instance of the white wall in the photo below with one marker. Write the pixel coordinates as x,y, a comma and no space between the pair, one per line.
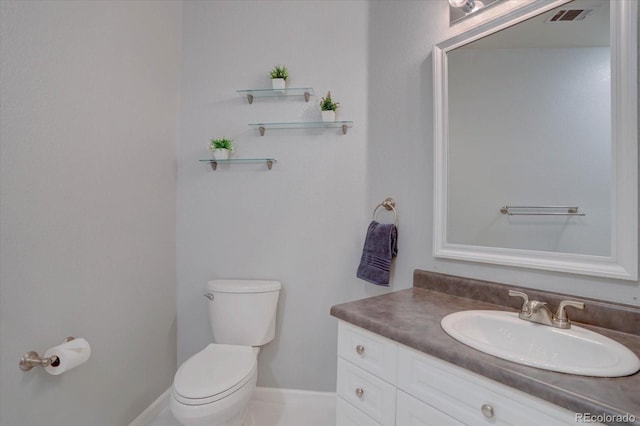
301,223
530,126
89,110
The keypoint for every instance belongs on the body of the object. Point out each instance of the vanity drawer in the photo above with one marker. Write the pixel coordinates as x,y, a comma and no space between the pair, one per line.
367,393
348,415
413,412
471,398
368,351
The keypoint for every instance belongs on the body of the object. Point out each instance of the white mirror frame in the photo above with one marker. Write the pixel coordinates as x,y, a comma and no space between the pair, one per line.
623,262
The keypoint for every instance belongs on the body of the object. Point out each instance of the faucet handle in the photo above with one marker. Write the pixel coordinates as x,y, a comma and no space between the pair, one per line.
525,303
561,315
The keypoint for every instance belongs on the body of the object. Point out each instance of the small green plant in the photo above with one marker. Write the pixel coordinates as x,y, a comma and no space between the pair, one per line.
279,71
220,144
327,104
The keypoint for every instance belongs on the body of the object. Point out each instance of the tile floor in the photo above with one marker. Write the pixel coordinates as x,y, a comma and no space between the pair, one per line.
273,412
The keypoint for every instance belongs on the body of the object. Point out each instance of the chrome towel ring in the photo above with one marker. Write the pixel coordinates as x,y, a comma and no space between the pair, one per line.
390,205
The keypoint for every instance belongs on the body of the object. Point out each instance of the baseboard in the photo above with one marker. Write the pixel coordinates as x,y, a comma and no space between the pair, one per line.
151,412
292,396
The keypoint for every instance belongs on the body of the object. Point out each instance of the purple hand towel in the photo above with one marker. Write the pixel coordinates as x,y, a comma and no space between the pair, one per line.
380,246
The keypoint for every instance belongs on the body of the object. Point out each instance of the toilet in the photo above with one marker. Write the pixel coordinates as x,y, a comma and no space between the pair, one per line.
214,386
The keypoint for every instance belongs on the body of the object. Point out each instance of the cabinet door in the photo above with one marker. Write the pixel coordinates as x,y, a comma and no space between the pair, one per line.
471,398
348,415
412,412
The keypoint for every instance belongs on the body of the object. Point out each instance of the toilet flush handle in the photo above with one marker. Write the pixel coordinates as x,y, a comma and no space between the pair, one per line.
209,296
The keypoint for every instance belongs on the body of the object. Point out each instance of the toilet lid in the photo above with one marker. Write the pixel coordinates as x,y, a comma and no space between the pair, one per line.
215,369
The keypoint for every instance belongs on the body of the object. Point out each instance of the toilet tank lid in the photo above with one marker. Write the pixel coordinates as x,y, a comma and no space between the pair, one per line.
243,286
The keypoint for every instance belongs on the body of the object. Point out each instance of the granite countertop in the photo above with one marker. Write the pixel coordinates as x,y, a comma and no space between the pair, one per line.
412,317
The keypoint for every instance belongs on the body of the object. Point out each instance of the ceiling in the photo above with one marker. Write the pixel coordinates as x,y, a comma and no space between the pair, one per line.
593,31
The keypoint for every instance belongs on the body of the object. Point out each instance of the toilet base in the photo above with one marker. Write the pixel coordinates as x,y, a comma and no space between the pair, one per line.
232,410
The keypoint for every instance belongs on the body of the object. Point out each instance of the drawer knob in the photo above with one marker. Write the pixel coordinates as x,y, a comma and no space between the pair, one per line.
359,392
487,410
360,349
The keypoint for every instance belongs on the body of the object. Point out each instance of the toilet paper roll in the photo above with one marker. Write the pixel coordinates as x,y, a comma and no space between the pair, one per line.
70,355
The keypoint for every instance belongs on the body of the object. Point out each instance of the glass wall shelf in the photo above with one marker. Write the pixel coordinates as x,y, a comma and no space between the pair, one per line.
262,127
214,163
307,92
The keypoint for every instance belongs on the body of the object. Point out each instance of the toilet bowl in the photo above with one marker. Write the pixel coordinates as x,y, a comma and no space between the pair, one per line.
214,386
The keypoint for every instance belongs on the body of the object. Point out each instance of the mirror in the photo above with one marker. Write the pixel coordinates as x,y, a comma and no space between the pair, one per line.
536,139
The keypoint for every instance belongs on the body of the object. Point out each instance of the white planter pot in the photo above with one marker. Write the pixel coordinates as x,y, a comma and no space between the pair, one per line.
220,154
278,83
328,116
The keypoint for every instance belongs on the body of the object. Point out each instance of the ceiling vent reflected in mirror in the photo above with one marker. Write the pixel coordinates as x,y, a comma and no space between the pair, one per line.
570,15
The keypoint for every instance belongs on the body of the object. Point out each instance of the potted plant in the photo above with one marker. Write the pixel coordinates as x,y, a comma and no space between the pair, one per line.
279,76
221,148
328,108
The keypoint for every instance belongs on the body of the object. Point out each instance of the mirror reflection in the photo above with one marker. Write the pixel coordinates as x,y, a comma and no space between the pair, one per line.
529,112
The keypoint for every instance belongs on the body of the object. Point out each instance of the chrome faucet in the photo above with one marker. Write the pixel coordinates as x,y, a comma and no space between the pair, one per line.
538,312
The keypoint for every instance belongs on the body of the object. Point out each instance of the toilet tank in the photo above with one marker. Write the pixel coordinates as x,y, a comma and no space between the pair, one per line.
243,312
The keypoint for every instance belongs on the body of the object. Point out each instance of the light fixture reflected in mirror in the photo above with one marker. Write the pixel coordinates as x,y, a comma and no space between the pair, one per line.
467,6
460,9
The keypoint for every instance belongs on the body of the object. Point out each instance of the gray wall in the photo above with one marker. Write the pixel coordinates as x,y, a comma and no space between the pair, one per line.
401,36
301,223
89,109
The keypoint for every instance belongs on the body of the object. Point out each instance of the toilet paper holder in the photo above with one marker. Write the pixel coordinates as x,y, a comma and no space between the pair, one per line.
32,359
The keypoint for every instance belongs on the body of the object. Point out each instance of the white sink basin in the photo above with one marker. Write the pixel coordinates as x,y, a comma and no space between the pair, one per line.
575,350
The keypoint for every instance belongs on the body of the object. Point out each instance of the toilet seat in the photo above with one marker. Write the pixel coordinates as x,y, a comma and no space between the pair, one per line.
214,373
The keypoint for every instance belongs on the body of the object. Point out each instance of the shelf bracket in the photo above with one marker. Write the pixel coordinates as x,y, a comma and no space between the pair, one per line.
269,164
261,128
250,98
214,165
344,129
307,95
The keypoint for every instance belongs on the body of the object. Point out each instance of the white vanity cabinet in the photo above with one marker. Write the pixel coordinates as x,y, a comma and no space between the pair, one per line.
383,383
